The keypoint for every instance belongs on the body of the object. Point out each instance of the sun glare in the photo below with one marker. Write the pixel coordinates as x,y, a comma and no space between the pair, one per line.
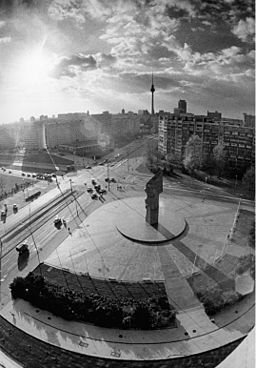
33,69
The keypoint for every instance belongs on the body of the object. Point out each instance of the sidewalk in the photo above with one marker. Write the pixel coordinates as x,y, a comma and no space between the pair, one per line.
120,344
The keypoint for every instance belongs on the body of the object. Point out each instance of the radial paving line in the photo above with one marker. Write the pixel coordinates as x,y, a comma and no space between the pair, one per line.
177,288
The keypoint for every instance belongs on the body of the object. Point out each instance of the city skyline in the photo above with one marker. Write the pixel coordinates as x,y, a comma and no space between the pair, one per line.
64,56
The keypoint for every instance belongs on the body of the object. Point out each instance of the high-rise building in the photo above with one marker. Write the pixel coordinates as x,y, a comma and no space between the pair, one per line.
249,120
152,90
182,106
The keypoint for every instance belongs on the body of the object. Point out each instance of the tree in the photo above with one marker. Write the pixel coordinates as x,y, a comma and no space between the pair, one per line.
173,158
220,157
248,181
193,153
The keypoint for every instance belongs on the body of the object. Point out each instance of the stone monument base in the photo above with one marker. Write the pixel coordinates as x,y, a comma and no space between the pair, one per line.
133,226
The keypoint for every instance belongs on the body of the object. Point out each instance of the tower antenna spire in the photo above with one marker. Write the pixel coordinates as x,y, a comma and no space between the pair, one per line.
152,90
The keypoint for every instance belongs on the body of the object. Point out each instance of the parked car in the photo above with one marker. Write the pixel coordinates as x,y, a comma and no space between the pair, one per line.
23,174
89,190
28,175
22,248
10,172
88,167
94,196
113,180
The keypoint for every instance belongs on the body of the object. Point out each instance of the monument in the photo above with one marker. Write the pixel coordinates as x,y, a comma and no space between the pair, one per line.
153,188
160,224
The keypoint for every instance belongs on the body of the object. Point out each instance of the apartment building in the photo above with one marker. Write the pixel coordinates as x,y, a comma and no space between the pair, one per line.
31,135
70,130
174,132
118,126
8,137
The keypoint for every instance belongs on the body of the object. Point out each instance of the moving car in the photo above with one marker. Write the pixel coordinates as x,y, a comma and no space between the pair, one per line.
102,191
57,223
97,187
15,208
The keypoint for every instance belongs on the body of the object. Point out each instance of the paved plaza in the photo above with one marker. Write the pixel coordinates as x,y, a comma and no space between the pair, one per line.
100,249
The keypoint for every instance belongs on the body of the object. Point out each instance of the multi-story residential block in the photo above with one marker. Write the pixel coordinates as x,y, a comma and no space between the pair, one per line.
174,132
8,136
148,122
70,130
31,135
231,121
118,126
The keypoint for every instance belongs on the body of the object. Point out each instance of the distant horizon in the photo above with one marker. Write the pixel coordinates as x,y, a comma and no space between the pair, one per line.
50,115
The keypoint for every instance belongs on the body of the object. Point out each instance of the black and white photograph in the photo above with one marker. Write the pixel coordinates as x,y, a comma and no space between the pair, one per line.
127,183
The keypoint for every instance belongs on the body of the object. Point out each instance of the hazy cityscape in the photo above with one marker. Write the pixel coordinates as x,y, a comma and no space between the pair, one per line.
127,184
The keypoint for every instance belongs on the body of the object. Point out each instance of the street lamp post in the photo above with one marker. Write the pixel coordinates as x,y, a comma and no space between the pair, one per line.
108,175
71,189
1,252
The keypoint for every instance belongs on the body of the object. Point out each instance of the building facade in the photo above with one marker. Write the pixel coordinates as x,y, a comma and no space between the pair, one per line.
174,132
8,137
70,130
249,120
118,126
31,135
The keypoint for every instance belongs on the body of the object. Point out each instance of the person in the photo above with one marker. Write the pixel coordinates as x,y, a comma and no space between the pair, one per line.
64,223
69,231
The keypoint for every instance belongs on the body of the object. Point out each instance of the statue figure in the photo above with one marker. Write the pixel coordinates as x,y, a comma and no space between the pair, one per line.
153,188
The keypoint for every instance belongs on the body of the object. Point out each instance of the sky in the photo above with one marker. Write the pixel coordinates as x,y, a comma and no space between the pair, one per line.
59,56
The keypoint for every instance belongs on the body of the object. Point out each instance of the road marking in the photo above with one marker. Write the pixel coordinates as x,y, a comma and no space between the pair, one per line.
2,279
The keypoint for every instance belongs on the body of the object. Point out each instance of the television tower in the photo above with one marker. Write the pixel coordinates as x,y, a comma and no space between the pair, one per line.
152,90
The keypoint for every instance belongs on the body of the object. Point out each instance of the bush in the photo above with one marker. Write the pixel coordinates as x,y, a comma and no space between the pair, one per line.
251,238
246,263
68,304
214,299
142,317
18,287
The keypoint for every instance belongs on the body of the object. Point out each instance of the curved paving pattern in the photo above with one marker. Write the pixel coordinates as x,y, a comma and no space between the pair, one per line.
99,250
